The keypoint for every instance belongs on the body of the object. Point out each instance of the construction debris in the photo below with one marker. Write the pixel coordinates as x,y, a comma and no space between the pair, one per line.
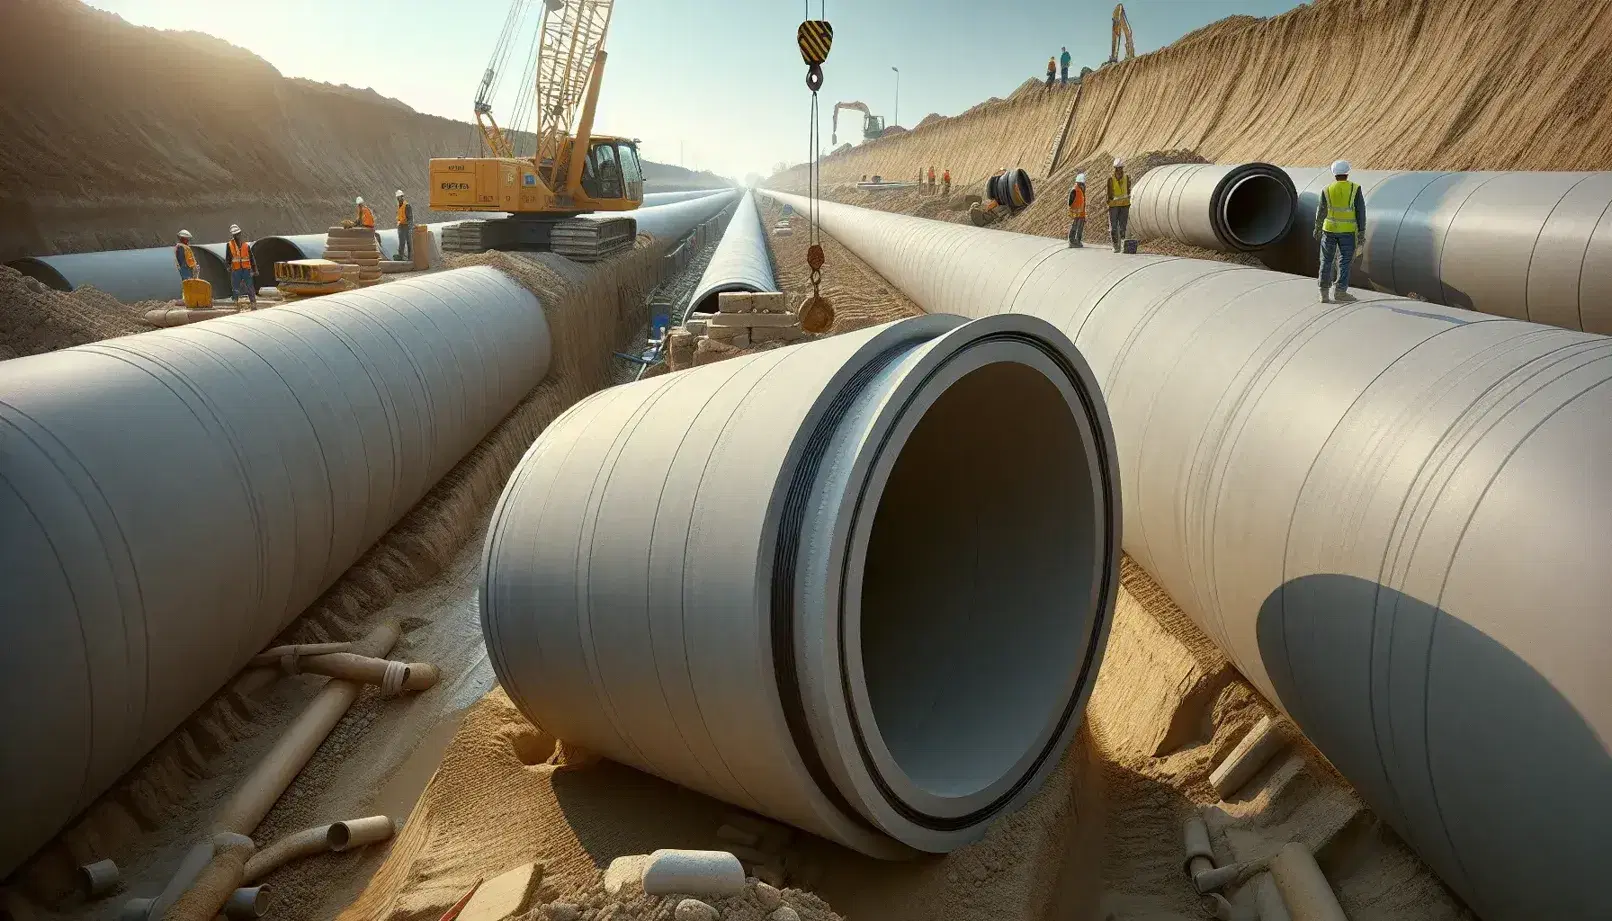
704,873
505,896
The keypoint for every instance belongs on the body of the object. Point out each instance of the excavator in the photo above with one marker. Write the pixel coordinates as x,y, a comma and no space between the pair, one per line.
872,125
550,197
1122,26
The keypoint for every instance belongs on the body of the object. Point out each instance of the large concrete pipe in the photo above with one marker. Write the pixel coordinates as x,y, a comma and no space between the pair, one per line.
669,222
1390,514
741,261
861,585
130,275
1241,208
656,199
170,501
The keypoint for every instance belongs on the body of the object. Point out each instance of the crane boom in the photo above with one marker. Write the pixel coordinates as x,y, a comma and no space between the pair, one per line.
571,39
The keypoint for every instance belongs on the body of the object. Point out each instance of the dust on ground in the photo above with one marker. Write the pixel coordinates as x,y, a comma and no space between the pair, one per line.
35,318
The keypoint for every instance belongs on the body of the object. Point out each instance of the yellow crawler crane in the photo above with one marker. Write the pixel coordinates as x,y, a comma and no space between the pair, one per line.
550,197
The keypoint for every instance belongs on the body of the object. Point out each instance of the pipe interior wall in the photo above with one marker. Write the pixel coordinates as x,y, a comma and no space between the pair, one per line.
1243,208
741,261
170,501
130,275
739,577
1532,246
1386,513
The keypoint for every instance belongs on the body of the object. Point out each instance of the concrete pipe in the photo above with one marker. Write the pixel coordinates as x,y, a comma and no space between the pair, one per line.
779,579
741,261
130,275
169,501
1387,513
1241,208
668,223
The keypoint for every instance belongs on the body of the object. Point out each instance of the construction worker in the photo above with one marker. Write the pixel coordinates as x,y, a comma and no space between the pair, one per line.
1077,213
1340,226
1052,71
946,182
185,258
366,217
405,226
1119,205
1063,64
241,268
931,180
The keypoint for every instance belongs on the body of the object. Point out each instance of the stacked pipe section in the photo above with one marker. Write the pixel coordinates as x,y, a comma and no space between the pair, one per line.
1391,515
1532,246
861,585
170,501
1239,209
741,261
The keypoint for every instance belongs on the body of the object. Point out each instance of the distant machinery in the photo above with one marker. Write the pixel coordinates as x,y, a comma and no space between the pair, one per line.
872,125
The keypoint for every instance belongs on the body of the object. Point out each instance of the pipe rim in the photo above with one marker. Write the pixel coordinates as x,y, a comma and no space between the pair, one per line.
1272,226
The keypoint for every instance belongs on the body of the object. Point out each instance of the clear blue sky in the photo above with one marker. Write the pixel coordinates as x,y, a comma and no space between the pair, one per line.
718,83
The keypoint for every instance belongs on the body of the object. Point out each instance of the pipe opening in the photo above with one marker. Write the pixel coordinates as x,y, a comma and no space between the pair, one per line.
34,268
269,250
338,836
978,572
1257,210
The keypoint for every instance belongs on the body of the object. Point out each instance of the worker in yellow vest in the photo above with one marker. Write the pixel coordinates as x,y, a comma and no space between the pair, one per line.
1119,205
185,257
241,268
1077,213
405,226
1340,227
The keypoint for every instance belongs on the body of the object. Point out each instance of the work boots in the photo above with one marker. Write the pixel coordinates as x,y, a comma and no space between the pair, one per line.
1343,297
1325,297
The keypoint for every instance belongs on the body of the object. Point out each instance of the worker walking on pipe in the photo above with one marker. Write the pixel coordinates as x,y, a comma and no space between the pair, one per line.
405,226
1063,65
1340,227
1119,205
1077,213
185,258
241,268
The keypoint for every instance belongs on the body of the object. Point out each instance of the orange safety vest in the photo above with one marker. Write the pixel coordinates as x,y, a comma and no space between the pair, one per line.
366,216
184,251
931,174
240,256
946,177
1077,206
402,212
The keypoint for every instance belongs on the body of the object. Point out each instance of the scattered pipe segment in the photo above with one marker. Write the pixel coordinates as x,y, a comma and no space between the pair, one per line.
170,501
741,261
1389,514
1241,208
1532,246
861,585
129,275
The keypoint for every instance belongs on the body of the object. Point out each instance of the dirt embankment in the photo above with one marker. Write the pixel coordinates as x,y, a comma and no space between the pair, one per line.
115,136
1386,84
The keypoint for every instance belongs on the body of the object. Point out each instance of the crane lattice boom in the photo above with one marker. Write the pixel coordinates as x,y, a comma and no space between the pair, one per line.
571,36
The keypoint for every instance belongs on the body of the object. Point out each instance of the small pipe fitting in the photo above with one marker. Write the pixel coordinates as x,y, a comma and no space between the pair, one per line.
98,878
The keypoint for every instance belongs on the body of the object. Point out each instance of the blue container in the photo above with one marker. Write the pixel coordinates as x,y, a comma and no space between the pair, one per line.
658,323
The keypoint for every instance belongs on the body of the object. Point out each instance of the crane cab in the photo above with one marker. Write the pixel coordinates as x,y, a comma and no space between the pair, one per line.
612,180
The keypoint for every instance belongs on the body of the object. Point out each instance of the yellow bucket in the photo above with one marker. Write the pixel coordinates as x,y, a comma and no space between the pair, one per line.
198,293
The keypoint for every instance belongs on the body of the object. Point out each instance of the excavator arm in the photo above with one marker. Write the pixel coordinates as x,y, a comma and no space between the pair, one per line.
834,136
1122,27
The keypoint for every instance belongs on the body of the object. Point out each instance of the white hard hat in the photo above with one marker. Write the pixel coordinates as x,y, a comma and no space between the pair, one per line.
1080,179
234,228
1119,163
1340,168
399,193
359,200
184,234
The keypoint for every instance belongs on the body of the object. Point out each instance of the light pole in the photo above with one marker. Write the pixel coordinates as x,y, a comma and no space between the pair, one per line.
895,120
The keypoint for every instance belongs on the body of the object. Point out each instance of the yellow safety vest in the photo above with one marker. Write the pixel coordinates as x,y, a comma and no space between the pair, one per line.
1119,191
1340,207
183,250
240,257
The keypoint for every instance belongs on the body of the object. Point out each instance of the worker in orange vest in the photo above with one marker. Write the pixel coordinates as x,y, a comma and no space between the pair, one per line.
946,181
1077,213
366,217
405,226
241,268
931,179
185,257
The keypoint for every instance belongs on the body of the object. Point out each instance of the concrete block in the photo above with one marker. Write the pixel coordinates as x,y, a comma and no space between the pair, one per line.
625,872
716,874
725,333
777,334
755,320
748,302
505,895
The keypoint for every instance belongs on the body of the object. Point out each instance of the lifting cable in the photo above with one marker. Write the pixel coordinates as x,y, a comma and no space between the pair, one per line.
815,37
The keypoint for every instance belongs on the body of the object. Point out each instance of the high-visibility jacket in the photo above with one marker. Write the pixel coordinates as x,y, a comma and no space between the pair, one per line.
931,174
946,177
366,216
1119,191
1340,200
184,257
404,213
1077,202
240,254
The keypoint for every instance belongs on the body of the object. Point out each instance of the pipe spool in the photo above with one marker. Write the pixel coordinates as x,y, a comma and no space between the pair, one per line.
1382,512
279,445
737,577
741,261
130,275
1012,189
1243,208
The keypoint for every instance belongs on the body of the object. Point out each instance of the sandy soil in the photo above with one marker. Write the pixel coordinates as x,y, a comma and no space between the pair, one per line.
34,318
861,297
